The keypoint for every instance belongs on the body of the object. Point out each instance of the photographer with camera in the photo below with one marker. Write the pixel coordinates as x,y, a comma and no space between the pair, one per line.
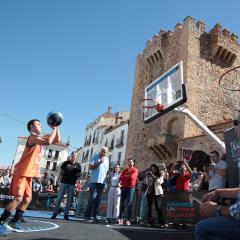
216,173
154,194
184,176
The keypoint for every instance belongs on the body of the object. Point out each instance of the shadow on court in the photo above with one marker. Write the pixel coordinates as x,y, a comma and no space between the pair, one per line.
143,234
38,238
75,230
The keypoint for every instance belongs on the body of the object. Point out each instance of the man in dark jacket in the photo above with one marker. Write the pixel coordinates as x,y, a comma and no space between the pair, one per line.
70,172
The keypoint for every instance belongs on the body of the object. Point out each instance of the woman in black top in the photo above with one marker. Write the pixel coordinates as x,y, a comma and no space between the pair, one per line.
154,193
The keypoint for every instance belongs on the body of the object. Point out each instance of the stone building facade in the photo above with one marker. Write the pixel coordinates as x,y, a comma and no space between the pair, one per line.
205,56
106,130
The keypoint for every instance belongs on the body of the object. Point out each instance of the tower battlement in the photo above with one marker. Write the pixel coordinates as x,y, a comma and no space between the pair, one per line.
222,45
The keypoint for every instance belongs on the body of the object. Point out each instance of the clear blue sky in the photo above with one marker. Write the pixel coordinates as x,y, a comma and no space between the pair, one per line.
79,56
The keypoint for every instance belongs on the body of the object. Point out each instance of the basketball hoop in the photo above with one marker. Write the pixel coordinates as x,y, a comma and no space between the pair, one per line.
150,103
230,85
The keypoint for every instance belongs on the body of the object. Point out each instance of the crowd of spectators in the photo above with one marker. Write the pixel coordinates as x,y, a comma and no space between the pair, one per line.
153,182
180,177
120,186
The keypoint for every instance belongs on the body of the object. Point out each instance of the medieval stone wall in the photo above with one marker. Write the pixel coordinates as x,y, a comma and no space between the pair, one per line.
205,57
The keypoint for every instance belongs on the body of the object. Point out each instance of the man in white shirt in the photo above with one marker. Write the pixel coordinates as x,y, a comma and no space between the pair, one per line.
217,172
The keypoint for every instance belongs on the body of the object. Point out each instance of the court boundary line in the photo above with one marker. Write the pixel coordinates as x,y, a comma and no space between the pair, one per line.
55,226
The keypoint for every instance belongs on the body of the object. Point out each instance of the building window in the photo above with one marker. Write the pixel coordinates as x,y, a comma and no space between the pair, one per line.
86,156
56,155
120,140
48,165
94,134
111,145
110,163
119,157
54,167
122,135
89,140
91,153
50,152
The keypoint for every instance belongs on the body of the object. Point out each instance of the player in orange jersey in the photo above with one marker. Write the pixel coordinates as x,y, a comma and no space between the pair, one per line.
27,168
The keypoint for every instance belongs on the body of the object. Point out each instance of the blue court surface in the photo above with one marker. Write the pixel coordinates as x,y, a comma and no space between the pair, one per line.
39,226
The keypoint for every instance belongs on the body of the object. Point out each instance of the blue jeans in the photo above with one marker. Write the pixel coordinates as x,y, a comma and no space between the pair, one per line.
94,200
49,200
218,228
143,207
126,194
64,187
79,203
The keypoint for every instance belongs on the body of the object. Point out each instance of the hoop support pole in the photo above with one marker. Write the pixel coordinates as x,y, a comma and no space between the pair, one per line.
202,126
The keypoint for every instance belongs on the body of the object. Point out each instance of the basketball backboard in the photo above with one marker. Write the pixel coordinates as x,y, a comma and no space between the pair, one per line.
168,89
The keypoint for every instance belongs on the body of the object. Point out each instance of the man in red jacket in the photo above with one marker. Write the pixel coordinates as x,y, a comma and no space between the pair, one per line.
128,181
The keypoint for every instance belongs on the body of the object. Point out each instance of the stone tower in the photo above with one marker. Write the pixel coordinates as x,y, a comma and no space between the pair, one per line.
205,56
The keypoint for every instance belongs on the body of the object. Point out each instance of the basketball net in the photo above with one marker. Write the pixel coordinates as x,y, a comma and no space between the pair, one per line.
151,103
230,85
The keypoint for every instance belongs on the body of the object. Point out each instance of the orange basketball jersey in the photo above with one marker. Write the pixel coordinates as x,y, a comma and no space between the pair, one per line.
29,163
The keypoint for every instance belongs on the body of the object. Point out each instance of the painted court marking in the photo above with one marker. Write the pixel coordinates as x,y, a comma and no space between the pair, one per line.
39,228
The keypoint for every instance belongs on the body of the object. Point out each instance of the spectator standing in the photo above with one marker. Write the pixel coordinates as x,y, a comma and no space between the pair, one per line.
173,176
143,205
7,178
128,181
49,189
36,189
198,181
165,184
217,172
154,193
70,172
44,180
184,177
78,187
80,202
193,177
99,165
77,191
114,195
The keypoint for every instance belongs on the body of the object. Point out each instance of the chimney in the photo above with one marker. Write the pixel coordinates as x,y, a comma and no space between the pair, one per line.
109,109
116,118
